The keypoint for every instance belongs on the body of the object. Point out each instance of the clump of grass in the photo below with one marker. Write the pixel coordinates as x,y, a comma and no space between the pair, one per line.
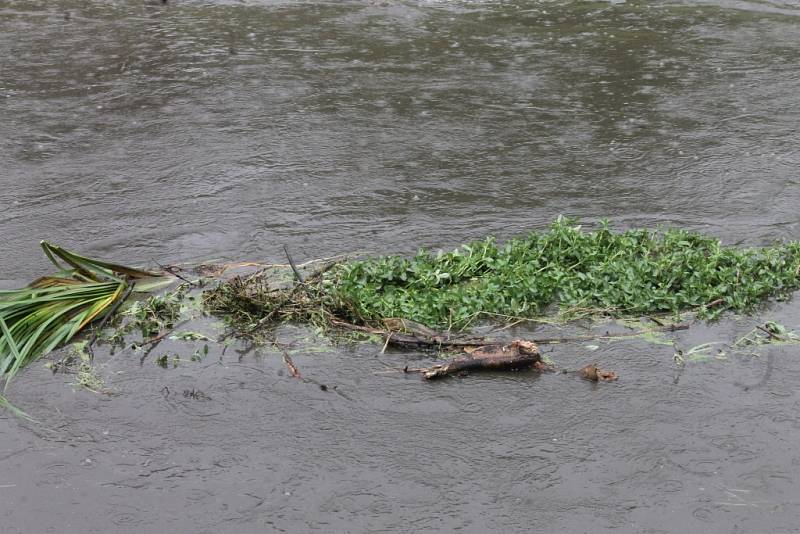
244,300
263,297
629,273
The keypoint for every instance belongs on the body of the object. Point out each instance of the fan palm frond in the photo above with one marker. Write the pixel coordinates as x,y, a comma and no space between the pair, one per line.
49,312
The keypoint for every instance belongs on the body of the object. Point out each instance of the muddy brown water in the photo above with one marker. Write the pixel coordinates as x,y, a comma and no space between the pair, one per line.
146,133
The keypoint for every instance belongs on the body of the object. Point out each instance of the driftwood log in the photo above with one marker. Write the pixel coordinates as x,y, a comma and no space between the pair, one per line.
514,356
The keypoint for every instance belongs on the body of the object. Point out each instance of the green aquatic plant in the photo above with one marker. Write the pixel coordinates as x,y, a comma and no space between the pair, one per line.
49,312
86,374
155,313
701,353
619,274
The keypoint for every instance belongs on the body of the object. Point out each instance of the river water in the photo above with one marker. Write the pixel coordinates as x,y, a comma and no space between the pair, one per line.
144,132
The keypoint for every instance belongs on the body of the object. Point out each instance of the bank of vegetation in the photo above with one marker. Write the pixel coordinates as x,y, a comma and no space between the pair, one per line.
564,271
560,273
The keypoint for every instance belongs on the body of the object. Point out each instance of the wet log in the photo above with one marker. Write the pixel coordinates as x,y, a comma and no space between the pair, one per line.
514,356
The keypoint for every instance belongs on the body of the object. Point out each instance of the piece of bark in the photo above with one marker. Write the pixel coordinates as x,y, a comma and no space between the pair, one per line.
293,370
593,373
514,356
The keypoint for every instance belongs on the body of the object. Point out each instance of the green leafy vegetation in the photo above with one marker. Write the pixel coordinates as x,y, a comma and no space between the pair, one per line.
190,336
563,271
154,314
769,333
620,274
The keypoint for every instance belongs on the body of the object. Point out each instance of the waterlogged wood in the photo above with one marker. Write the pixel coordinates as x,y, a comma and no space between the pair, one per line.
415,342
593,373
294,372
423,338
517,355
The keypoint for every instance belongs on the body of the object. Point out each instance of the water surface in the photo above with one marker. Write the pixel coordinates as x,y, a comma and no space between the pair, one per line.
147,133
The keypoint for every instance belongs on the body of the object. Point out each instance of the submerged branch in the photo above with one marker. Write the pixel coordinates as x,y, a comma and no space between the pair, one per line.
294,372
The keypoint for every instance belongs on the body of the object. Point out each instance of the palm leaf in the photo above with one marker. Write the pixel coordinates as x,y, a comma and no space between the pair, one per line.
89,266
53,309
13,409
9,338
35,323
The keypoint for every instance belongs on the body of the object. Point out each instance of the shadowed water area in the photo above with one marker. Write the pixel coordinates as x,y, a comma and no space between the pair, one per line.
143,133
